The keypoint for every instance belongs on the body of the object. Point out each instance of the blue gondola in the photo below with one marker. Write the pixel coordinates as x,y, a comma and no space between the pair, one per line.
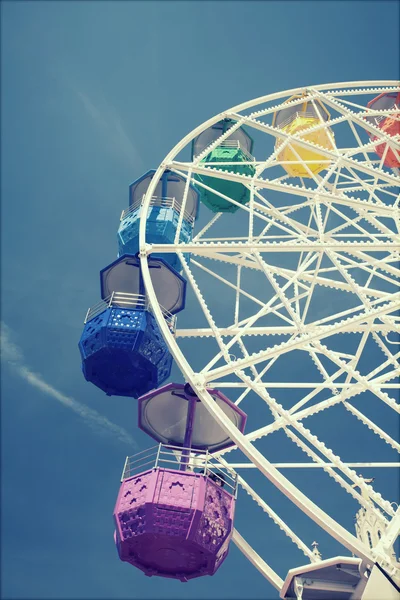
123,351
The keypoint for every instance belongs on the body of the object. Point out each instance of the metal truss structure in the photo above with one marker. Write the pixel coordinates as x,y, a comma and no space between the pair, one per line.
272,287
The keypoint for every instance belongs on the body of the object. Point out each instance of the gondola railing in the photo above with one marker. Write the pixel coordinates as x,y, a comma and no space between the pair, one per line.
138,302
168,457
157,201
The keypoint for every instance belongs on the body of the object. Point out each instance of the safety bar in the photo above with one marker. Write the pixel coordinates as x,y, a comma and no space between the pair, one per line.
139,302
305,115
157,201
236,144
167,456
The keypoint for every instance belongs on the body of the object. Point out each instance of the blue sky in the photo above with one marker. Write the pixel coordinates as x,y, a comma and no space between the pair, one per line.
93,95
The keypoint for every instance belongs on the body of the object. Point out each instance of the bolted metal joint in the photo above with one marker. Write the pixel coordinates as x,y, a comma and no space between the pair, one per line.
145,250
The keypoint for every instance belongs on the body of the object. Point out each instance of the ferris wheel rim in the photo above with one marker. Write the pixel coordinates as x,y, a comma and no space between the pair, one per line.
197,382
389,84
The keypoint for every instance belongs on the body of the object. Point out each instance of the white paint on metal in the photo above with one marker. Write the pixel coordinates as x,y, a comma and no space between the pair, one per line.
359,192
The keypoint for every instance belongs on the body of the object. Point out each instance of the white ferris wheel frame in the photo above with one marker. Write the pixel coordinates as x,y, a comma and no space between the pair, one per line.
372,304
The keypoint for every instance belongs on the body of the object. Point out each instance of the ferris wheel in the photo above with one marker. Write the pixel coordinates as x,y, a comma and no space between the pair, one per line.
287,285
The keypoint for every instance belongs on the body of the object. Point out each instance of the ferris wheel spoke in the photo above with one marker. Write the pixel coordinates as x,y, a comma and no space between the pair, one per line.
202,170
294,226
297,137
307,276
296,496
391,358
280,291
349,472
307,165
206,227
313,465
237,328
327,452
360,144
223,348
246,354
364,185
311,290
256,560
391,534
262,213
347,222
258,378
239,291
340,285
279,219
260,313
372,426
317,386
343,397
361,214
347,390
300,262
329,101
239,259
182,209
204,249
328,468
180,168
245,326
357,356
360,107
312,336
374,220
351,264
255,210
382,263
344,468
328,380
354,389
353,222
316,360
305,247
362,380
385,377
333,90
338,260
274,516
347,161
346,187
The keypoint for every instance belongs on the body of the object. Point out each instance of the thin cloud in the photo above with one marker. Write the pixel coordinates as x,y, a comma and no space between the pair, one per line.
13,356
90,108
109,123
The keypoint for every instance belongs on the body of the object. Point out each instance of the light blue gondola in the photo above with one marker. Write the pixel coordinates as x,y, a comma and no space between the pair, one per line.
163,215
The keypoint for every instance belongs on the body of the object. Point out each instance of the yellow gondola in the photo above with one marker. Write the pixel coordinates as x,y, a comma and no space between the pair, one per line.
297,118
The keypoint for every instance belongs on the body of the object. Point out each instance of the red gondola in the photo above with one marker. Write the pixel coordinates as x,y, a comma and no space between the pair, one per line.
388,124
